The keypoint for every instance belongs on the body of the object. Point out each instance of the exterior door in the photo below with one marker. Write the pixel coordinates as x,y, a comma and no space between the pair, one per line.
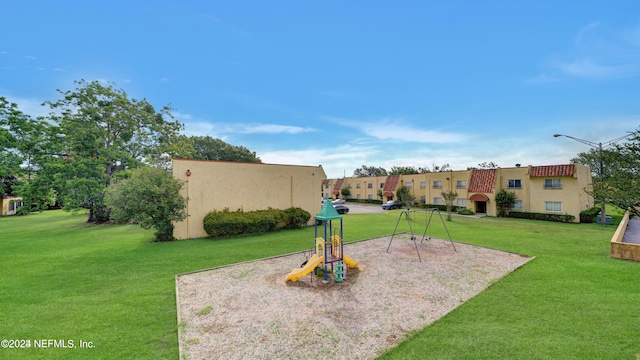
481,207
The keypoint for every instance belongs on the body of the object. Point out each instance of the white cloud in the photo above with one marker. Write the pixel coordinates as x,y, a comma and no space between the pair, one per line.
398,130
597,53
587,68
201,127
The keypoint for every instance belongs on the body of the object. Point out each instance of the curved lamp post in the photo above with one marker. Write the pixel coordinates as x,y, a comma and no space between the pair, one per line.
599,146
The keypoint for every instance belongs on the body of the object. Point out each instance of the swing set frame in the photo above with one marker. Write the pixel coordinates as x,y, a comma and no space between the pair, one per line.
428,215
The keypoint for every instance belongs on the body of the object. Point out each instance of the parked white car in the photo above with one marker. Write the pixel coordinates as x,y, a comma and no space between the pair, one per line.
338,201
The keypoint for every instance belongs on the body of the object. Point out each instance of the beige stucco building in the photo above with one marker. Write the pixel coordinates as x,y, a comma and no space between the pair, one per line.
216,185
9,205
556,189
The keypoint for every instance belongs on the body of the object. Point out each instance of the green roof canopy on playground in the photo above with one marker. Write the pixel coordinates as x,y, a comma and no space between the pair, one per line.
328,212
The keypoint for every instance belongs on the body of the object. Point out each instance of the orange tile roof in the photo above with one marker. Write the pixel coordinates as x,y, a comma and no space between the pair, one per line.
391,183
482,181
552,170
338,185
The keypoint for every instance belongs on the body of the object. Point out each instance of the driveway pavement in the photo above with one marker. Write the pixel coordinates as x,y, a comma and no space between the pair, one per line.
364,208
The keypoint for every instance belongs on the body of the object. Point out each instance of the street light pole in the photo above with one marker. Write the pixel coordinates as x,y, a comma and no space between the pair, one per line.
599,146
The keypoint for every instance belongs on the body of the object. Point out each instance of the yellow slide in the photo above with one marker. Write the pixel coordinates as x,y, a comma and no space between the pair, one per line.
296,274
350,262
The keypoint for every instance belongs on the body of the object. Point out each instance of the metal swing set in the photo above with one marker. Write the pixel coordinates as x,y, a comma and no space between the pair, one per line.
410,216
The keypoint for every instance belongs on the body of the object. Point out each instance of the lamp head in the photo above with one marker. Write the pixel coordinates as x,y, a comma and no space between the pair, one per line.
557,135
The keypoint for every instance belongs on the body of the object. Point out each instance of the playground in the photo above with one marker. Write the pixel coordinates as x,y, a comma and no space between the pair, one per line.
251,310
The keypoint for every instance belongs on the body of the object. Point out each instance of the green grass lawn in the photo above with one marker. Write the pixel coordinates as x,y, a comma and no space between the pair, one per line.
110,285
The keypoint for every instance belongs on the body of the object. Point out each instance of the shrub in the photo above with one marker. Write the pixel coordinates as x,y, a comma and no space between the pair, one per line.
464,211
296,218
565,218
587,216
227,223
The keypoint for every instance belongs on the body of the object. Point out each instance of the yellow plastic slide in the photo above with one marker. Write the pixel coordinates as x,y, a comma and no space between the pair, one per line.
296,274
350,262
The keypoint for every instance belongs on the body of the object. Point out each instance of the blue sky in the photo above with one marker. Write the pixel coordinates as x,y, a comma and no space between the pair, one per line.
348,83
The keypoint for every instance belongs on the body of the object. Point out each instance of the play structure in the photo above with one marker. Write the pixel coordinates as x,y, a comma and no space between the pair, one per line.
413,217
328,253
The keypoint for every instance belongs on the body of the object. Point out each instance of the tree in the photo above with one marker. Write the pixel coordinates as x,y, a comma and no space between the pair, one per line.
208,148
24,147
505,201
403,170
345,192
449,197
366,171
151,198
620,184
434,168
404,196
485,165
612,164
103,131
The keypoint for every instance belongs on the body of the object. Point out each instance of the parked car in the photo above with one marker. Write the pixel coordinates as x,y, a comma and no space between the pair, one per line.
392,204
341,209
338,201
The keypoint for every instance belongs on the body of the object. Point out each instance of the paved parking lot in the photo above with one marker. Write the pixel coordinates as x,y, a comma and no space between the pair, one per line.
364,208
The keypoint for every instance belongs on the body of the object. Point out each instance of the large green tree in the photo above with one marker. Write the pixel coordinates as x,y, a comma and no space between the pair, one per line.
24,146
619,183
102,131
403,170
149,197
208,148
365,171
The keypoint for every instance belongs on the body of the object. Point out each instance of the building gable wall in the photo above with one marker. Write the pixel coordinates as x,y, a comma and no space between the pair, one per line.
216,185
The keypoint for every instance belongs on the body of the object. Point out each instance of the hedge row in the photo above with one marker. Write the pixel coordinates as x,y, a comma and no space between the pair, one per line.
228,223
565,218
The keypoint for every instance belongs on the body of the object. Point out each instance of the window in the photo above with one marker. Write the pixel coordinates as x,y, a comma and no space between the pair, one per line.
370,197
357,196
437,184
461,184
553,183
461,202
358,186
514,184
408,184
438,201
423,185
517,205
348,186
553,206
326,186
370,186
381,185
423,199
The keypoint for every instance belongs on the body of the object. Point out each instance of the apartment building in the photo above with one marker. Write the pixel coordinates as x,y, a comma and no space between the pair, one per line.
559,189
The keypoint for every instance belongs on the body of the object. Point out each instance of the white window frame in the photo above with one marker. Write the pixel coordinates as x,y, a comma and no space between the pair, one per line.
461,202
553,206
517,205
553,183
514,184
437,184
461,184
423,184
438,201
